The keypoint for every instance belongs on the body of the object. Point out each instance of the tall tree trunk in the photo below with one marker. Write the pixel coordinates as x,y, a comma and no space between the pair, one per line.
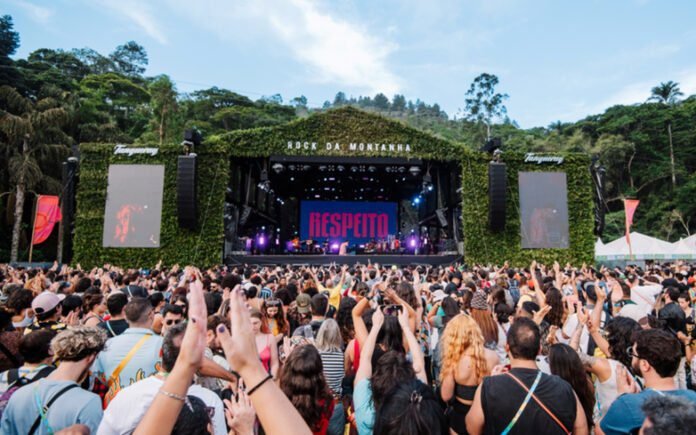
671,154
19,206
161,127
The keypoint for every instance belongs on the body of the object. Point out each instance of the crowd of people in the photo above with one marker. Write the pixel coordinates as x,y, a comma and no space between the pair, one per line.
348,349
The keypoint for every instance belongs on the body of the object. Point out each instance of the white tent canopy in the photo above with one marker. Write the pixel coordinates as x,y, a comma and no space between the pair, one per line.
642,248
685,248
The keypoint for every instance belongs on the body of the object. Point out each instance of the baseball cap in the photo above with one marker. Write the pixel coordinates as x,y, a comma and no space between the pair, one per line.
303,301
46,301
438,295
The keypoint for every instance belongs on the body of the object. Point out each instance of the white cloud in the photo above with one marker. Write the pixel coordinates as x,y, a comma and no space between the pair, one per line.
333,49
37,13
140,14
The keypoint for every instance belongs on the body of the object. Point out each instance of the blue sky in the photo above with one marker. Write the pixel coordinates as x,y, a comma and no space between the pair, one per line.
558,60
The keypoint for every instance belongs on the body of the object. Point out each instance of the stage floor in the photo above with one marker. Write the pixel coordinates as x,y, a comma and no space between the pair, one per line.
320,260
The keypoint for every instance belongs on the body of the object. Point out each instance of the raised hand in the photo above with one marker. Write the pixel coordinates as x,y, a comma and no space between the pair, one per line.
240,414
239,343
625,382
539,315
195,339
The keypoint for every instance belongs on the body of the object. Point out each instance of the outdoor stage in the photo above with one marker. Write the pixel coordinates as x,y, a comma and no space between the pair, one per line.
318,260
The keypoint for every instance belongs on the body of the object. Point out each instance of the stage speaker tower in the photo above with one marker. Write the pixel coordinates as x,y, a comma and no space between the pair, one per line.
187,192
497,195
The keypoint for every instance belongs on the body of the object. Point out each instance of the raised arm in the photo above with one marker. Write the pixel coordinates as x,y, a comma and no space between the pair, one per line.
414,347
275,411
358,323
365,369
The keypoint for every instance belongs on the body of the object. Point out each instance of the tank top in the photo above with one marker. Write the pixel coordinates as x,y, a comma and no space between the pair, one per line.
606,392
265,355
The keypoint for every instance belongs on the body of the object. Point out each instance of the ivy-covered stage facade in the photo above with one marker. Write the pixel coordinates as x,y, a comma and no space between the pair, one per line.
342,185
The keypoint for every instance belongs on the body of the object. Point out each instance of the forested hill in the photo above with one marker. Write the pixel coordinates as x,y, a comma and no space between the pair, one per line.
54,99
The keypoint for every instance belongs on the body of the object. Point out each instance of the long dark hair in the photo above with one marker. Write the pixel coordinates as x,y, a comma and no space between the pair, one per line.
391,335
411,409
620,337
391,369
345,319
565,363
302,380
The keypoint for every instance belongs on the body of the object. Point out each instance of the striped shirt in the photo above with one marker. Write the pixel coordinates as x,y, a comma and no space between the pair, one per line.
333,370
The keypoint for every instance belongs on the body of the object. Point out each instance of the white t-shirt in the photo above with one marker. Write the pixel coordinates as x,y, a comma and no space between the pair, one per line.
130,405
644,295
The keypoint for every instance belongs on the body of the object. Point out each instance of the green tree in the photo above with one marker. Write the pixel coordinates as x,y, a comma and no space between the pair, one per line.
31,136
398,103
668,93
163,103
129,59
483,103
9,42
381,102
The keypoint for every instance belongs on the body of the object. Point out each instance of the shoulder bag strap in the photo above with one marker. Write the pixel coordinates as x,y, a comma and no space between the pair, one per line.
108,325
536,399
124,362
12,376
518,414
42,412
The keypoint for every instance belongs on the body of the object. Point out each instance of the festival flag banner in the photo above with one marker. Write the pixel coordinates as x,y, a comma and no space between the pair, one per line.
47,214
630,205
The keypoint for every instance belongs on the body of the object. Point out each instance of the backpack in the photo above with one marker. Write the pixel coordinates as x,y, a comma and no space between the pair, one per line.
16,382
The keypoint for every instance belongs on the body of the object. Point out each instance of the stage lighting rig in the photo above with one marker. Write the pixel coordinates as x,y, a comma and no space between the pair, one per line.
278,168
264,182
192,139
414,170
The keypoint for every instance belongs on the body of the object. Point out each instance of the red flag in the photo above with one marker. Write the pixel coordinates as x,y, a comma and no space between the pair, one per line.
47,214
630,205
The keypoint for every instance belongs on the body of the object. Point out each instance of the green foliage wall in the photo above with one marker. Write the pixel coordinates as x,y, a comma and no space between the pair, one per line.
483,246
345,125
202,247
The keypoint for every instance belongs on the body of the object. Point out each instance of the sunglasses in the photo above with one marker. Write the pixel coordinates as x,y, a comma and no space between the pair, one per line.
631,353
170,322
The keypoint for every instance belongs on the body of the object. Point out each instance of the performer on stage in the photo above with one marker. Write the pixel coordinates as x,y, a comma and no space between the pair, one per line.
343,249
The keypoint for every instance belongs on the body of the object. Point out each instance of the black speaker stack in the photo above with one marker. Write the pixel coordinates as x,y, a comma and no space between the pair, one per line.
187,192
497,195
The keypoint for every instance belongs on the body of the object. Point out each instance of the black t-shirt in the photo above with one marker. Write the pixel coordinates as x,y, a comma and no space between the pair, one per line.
114,327
502,396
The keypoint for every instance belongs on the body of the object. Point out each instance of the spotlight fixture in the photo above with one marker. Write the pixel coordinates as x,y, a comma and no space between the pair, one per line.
341,168
322,168
414,170
372,168
278,168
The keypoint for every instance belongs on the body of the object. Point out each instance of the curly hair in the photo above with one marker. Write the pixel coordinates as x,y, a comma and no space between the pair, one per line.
554,299
77,343
462,336
302,380
620,337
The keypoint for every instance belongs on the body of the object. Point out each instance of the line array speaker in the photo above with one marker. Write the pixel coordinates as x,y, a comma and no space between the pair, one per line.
497,195
187,192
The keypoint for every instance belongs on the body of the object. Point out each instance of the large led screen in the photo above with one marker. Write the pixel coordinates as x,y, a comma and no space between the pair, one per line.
543,209
355,222
133,206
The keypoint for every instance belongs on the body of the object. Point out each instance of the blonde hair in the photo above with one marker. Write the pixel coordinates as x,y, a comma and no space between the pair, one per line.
77,343
462,336
329,337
